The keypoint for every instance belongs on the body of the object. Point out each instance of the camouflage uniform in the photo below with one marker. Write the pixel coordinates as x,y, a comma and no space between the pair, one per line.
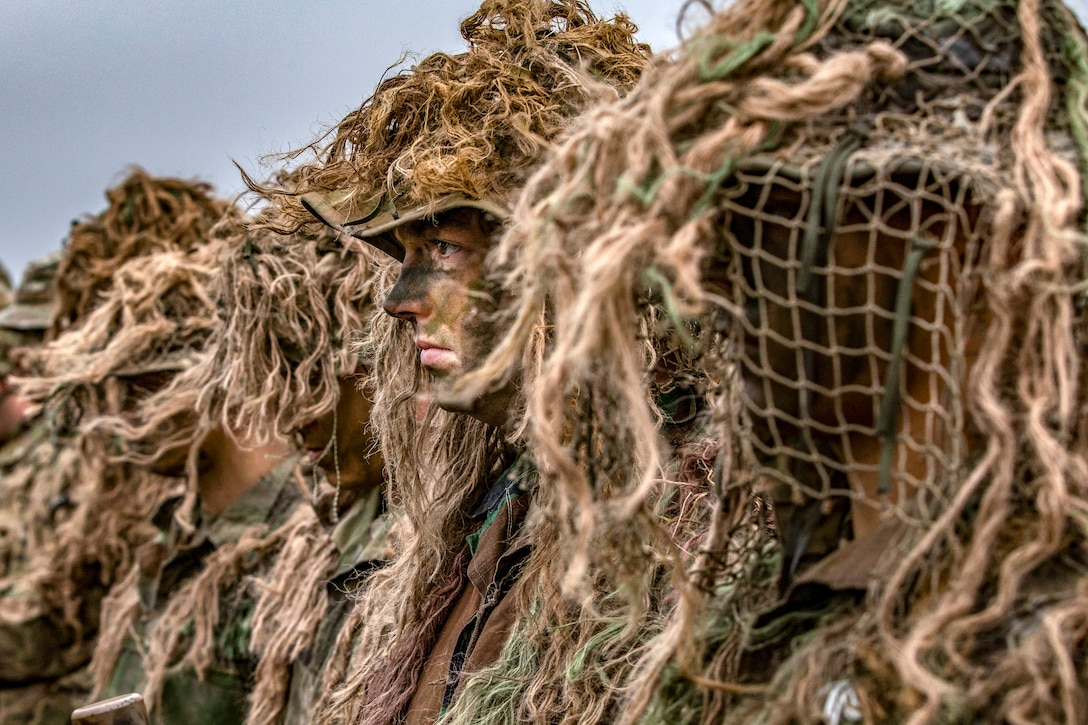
482,616
218,695
360,539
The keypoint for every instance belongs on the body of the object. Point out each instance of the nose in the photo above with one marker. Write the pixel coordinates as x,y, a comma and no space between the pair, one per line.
408,299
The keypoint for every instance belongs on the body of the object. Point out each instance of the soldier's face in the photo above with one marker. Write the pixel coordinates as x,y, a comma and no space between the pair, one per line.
442,292
341,441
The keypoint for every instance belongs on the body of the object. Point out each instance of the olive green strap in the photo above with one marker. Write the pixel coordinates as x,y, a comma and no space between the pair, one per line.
820,222
886,422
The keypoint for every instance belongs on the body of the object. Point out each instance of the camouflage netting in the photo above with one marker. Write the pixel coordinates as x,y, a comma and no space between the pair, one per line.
881,202
145,214
471,124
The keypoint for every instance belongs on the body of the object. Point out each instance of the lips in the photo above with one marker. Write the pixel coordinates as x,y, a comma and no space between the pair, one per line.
433,356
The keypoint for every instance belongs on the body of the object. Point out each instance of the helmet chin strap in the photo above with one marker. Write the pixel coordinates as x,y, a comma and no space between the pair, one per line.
335,514
887,423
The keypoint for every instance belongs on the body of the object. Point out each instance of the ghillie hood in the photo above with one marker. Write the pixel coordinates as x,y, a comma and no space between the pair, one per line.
293,309
955,134
471,125
146,214
155,319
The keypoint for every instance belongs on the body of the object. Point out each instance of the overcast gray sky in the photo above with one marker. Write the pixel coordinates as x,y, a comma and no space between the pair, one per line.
182,87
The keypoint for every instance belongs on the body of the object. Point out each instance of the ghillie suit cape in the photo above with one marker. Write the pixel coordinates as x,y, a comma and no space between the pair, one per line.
167,625
292,308
466,128
884,202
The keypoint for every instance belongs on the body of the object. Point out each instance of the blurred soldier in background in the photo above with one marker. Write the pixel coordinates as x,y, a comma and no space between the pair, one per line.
23,324
86,514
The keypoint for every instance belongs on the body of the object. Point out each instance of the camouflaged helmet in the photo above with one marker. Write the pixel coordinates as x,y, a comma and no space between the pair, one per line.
34,299
857,239
464,130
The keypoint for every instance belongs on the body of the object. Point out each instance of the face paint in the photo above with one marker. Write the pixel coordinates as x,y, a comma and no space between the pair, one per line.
442,292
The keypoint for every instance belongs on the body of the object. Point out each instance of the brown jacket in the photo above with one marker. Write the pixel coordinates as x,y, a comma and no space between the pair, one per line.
482,616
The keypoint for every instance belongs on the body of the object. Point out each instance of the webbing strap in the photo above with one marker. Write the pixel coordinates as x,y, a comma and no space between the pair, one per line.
820,226
820,222
887,418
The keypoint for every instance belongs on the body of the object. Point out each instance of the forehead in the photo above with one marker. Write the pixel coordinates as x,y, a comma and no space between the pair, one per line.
464,221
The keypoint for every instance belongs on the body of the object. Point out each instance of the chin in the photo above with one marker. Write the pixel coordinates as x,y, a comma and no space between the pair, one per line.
446,400
495,408
445,395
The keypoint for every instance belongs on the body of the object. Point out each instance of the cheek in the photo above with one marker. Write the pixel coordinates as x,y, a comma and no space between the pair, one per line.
452,303
353,416
481,324
317,433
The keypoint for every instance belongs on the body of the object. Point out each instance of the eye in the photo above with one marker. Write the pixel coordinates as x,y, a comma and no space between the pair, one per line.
445,249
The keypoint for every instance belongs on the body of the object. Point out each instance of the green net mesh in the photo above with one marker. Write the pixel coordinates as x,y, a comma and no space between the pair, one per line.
853,269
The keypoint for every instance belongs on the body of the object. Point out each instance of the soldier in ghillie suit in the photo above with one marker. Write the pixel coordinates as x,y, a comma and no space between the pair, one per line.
38,472
26,521
23,323
427,170
288,363
253,615
166,631
94,512
883,203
